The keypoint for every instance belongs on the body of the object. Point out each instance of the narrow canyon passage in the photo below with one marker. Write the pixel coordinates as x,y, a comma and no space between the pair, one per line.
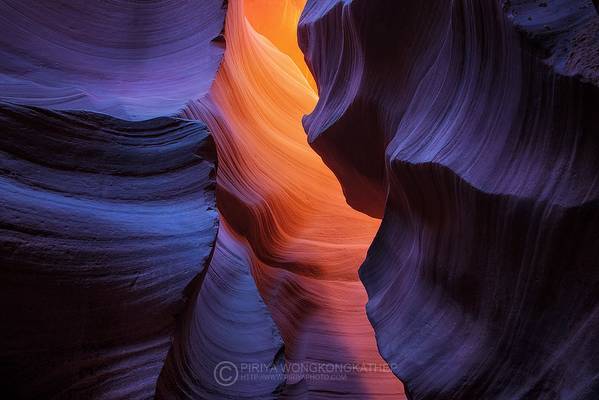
299,199
274,192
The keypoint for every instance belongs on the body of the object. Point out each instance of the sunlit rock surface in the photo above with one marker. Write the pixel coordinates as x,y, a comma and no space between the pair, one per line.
103,224
289,219
473,129
131,59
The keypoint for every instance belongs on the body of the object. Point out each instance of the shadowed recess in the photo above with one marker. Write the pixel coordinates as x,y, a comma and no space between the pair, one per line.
104,222
472,128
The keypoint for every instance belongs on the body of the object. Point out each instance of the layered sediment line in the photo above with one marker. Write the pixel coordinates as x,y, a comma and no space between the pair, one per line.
130,59
104,223
286,209
477,140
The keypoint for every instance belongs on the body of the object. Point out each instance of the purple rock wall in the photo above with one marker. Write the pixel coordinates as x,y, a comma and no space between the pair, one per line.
477,134
131,59
104,223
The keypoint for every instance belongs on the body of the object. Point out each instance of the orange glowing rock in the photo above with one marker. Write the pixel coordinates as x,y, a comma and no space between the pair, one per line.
305,241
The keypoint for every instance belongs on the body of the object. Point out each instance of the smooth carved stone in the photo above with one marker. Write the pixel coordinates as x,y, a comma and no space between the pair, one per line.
103,224
304,242
130,59
228,346
482,154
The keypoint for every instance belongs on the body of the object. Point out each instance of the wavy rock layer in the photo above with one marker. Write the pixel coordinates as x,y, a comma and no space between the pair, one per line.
289,223
104,222
482,279
227,331
131,59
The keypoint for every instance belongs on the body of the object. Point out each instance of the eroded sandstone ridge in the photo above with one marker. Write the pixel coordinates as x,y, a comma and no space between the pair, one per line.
131,59
104,223
107,213
469,127
472,128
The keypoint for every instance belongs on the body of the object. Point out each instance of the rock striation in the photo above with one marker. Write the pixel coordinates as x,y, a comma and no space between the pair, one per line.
130,59
472,129
104,223
288,218
228,345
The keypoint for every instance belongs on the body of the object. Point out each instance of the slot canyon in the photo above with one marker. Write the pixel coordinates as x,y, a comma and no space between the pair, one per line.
299,199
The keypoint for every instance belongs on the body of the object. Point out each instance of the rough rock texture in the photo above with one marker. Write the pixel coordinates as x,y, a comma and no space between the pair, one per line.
567,31
103,223
481,149
131,59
